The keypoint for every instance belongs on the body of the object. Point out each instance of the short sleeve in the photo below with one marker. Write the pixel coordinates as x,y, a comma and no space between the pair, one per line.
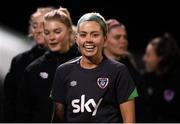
58,88
125,86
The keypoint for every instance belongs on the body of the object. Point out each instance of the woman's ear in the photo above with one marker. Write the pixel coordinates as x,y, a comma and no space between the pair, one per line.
76,39
105,38
105,41
160,59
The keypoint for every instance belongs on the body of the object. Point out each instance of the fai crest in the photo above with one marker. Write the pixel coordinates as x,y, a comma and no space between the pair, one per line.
102,82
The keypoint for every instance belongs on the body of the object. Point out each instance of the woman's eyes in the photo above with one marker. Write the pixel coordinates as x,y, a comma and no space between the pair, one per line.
57,32
34,25
95,35
82,35
46,32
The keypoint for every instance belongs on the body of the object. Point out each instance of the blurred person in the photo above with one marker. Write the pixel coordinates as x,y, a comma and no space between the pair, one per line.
160,87
116,48
20,61
73,37
92,88
1,100
74,28
65,10
34,103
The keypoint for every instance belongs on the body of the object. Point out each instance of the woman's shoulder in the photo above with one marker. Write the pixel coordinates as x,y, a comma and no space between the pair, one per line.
113,64
69,64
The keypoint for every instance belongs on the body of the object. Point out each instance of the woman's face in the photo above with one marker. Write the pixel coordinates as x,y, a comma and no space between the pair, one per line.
57,36
151,60
117,42
37,28
90,39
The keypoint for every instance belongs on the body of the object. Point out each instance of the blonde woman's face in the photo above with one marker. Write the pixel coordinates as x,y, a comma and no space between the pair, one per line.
117,43
37,28
57,36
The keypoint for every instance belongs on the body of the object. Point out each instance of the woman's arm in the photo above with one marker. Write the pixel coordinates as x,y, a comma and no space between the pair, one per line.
59,112
128,111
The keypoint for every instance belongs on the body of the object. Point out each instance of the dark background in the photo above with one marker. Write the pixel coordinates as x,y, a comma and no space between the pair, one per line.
143,20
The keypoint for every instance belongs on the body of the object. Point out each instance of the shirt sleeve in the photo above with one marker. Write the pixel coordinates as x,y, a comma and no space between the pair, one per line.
58,89
125,87
10,90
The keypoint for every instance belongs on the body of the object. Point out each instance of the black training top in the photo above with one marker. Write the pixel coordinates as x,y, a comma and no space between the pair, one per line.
34,104
13,77
93,95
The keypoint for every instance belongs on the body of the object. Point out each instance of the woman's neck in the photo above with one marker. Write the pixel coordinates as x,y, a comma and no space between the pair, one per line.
90,63
111,56
65,50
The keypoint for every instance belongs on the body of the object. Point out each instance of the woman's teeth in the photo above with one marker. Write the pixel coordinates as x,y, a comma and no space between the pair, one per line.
89,46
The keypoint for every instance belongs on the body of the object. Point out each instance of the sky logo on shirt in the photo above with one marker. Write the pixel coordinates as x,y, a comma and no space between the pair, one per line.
80,105
102,82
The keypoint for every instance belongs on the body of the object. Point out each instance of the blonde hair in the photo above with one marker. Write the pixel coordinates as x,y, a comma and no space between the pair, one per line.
59,15
43,11
94,17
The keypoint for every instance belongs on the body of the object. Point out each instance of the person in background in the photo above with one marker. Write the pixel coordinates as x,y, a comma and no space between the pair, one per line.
20,62
116,48
160,86
34,104
73,36
1,100
74,28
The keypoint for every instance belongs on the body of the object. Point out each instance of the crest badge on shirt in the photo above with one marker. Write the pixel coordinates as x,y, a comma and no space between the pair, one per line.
169,95
44,75
102,82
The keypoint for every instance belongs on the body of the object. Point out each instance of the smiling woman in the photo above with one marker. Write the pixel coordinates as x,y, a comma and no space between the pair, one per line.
92,88
92,33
